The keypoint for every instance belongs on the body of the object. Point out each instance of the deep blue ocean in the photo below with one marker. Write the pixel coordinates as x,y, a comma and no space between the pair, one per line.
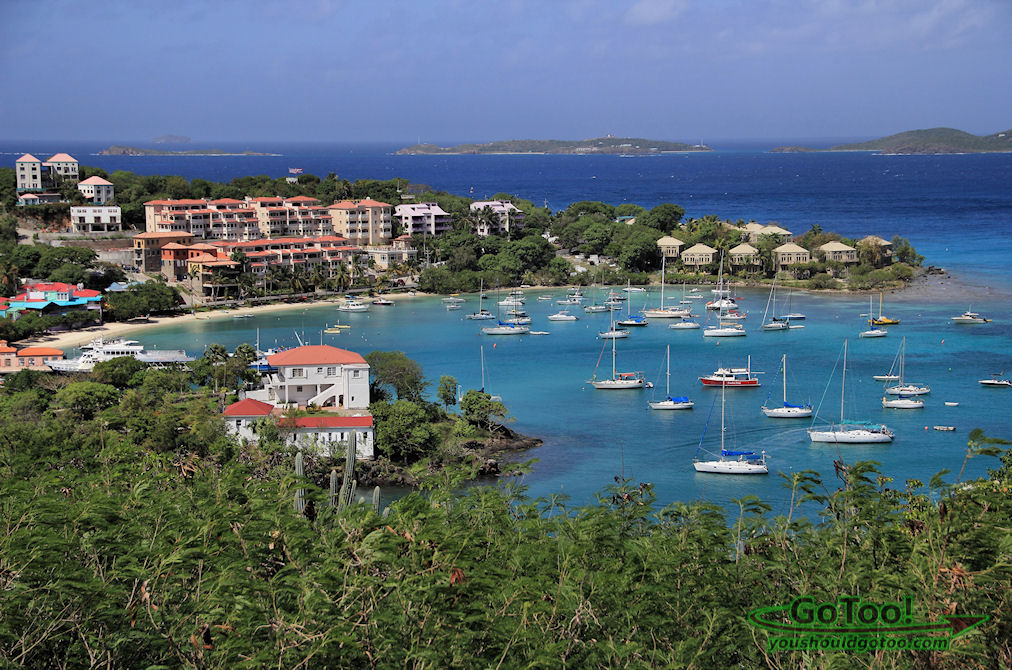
956,210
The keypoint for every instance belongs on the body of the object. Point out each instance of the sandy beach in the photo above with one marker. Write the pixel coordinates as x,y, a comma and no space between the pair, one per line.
75,338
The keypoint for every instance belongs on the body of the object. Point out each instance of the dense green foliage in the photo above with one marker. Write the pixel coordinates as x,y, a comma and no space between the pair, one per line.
934,141
137,534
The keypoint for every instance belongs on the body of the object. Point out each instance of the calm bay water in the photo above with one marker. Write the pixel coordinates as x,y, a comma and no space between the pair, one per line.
956,210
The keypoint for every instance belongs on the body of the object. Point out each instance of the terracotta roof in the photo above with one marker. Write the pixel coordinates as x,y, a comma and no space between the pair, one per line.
328,421
267,198
97,181
174,245
369,202
790,247
249,407
160,235
302,198
6,348
315,354
28,158
225,201
344,204
40,351
61,158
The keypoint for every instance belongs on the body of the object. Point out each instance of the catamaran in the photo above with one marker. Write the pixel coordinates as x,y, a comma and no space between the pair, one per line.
662,312
680,402
618,380
787,410
729,462
850,432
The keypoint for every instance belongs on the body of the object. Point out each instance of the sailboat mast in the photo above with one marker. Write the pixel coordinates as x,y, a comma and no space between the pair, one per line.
667,381
843,385
784,370
663,264
483,369
613,370
723,393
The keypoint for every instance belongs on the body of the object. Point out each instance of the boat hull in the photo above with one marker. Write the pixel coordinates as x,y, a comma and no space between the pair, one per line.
731,383
787,412
908,390
665,313
731,467
613,334
617,384
724,332
671,405
858,436
902,403
506,330
873,333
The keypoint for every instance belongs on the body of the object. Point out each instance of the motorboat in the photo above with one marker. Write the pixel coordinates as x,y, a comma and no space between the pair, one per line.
634,289
453,299
684,324
563,315
101,350
996,380
969,317
874,332
350,305
734,315
382,301
732,377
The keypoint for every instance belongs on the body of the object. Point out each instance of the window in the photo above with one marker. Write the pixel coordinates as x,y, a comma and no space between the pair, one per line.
298,389
355,374
331,371
319,371
298,372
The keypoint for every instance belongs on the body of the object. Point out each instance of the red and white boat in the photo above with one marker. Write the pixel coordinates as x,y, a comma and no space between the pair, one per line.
733,377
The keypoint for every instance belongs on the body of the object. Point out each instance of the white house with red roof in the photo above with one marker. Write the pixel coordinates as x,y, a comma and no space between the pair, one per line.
326,434
99,191
319,375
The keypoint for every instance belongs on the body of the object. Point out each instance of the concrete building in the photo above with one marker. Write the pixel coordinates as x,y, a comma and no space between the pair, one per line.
148,248
99,191
363,222
505,217
744,256
670,247
33,175
838,251
62,167
28,358
29,174
325,434
319,375
426,218
698,255
789,254
26,199
95,219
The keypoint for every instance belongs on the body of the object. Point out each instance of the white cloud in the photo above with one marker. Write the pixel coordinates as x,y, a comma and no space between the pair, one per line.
652,12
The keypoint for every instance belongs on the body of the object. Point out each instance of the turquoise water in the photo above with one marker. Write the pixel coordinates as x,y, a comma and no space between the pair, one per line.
590,436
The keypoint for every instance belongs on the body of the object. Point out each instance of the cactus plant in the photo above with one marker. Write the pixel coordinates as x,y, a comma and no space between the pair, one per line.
333,487
300,493
348,486
376,499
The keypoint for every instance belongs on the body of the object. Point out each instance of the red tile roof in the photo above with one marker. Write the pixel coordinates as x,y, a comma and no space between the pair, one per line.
225,201
40,351
369,202
315,354
302,198
28,158
96,180
6,348
249,407
328,421
160,235
61,158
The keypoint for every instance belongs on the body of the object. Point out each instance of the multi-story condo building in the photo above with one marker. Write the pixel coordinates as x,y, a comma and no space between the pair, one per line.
426,218
363,222
148,248
231,219
95,219
99,191
507,217
34,175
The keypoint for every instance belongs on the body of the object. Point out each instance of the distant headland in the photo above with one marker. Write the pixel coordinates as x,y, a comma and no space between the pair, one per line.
116,150
928,141
626,146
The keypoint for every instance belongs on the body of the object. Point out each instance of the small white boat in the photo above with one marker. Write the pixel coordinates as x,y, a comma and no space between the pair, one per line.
506,329
909,389
569,301
684,324
722,304
539,332
453,299
633,321
563,315
886,378
511,301
947,429
787,410
969,317
634,289
595,309
874,332
730,462
670,403
734,315
544,298
481,315
725,330
518,320
613,334
995,380
951,404
382,301
353,306
452,306
903,402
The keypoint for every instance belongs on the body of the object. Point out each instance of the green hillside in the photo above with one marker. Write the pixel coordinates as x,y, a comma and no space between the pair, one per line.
934,141
597,145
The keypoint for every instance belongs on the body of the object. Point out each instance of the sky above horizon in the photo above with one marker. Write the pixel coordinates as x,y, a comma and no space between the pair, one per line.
459,70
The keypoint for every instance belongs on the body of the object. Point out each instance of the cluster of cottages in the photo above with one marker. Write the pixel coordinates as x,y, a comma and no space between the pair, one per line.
332,382
36,180
745,257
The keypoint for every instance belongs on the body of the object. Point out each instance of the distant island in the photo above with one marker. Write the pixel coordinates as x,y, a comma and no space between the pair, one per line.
117,150
928,141
631,146
171,139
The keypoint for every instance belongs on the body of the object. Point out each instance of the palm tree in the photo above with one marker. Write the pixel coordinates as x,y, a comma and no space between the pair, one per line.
341,277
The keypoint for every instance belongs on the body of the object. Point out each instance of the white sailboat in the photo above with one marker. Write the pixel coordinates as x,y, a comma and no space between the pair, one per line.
563,315
850,432
618,380
872,332
787,410
680,402
773,325
903,388
662,312
723,300
613,332
730,462
630,320
481,314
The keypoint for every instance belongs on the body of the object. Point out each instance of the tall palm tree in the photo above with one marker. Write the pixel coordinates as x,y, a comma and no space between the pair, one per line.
341,277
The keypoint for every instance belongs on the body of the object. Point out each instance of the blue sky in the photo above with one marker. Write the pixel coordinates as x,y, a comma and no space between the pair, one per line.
451,70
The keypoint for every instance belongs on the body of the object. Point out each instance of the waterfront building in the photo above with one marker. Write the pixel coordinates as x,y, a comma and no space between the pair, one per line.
99,191
670,247
13,359
231,219
326,434
148,248
838,251
789,254
34,175
426,218
503,218
51,298
752,232
698,255
744,256
363,222
95,219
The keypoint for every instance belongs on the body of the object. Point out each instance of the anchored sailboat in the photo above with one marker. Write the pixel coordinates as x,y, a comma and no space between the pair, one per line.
618,380
680,402
788,410
850,432
729,462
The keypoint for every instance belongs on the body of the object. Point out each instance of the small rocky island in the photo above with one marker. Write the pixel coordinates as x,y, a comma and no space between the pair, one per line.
117,150
623,146
928,141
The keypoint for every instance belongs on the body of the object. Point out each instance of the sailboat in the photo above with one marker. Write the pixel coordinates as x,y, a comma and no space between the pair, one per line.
662,312
618,380
882,320
790,316
505,327
723,300
680,402
730,462
902,388
774,324
481,314
891,376
872,332
787,411
726,327
630,320
850,432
